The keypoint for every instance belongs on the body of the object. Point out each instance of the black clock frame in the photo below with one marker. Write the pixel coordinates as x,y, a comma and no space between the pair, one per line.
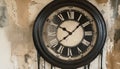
38,27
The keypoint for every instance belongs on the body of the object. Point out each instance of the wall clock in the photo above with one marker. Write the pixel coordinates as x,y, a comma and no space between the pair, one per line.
69,33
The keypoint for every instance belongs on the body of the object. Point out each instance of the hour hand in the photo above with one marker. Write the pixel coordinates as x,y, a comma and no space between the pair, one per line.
64,29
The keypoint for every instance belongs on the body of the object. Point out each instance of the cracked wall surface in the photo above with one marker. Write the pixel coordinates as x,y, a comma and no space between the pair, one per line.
16,45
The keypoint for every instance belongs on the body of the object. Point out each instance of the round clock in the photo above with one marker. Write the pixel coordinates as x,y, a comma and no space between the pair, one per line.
69,33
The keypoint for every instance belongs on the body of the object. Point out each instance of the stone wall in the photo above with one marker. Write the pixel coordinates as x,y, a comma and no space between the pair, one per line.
16,45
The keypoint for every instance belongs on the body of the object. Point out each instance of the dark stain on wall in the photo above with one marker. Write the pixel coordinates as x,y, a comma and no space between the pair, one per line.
27,56
3,16
117,29
114,4
117,35
33,2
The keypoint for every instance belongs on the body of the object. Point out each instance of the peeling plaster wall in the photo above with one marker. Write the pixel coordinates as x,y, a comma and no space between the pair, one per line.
16,45
113,57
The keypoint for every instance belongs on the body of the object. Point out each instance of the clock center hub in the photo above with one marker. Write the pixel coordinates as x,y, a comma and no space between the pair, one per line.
70,33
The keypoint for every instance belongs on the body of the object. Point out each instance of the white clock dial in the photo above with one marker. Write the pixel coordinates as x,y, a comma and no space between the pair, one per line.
74,39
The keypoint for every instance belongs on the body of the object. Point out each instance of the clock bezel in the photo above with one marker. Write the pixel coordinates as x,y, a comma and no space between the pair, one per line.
85,48
37,33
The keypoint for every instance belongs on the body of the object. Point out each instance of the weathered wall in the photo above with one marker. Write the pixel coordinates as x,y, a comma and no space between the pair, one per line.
16,46
113,57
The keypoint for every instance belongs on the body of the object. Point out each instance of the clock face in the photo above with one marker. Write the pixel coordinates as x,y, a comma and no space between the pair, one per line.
69,33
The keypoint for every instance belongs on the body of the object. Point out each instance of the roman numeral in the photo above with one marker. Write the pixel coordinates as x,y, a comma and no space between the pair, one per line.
79,51
60,49
86,24
61,17
88,33
51,33
51,23
79,17
70,14
69,52
85,42
54,42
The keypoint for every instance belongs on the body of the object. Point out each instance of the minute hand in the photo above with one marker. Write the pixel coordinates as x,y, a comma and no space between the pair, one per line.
76,27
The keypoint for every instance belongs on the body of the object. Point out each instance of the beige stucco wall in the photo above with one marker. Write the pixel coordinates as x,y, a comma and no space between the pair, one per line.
16,45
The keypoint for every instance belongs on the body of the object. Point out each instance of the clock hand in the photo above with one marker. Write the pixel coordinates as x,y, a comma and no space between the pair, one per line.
64,38
76,28
70,33
64,29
